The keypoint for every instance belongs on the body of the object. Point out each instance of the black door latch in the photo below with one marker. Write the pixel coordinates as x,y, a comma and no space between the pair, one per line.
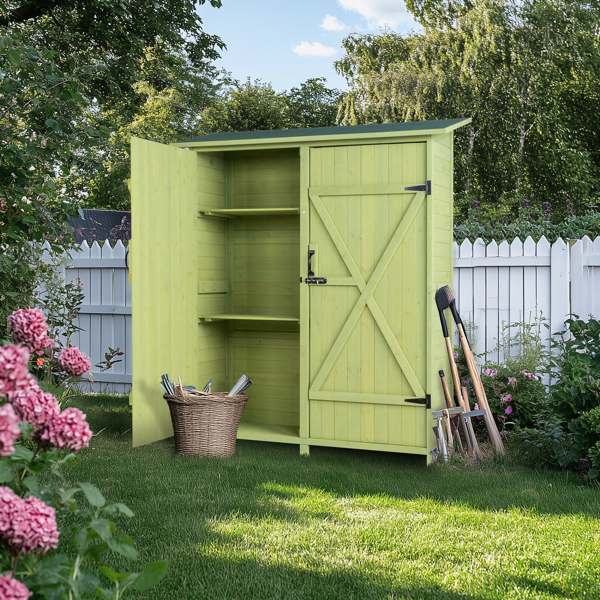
315,280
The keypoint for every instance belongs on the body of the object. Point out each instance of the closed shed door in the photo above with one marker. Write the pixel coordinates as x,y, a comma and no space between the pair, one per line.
368,323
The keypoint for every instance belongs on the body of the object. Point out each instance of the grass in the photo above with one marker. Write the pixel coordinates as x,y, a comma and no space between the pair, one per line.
267,523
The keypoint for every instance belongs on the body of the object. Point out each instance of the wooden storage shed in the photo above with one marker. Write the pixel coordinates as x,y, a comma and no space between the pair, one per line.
233,238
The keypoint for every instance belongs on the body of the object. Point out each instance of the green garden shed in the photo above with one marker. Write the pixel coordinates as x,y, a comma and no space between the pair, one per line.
307,259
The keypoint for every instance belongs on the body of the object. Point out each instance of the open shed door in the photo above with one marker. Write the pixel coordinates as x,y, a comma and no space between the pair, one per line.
368,323
164,279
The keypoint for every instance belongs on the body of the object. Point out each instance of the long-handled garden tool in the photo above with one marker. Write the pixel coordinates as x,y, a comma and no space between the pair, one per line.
450,404
444,298
475,377
442,303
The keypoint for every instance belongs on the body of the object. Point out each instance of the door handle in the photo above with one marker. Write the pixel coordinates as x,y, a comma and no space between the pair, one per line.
310,255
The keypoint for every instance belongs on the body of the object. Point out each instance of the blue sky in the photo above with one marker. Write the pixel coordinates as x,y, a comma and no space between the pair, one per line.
285,43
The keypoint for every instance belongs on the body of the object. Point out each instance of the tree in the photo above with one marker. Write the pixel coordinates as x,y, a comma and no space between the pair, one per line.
114,34
528,76
255,106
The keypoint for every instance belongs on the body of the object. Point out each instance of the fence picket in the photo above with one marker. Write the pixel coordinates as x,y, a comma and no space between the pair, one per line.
543,289
465,299
503,295
559,286
491,305
479,299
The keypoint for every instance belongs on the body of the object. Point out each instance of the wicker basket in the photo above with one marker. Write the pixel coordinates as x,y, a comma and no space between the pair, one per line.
205,424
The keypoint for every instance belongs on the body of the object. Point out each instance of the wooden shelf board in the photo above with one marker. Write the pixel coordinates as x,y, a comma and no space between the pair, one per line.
250,212
264,432
227,317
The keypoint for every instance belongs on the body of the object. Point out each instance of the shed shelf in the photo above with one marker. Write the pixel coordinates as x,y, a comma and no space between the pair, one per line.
233,213
226,317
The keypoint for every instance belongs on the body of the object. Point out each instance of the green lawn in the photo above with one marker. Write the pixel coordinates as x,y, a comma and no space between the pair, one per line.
267,523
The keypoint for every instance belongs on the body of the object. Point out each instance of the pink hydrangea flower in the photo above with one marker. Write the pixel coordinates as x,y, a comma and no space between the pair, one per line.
526,374
13,369
508,410
507,398
34,406
73,361
456,356
512,380
69,430
11,589
476,407
28,327
9,430
490,372
28,524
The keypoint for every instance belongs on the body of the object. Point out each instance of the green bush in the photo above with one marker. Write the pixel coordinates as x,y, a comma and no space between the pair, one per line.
514,388
527,224
568,431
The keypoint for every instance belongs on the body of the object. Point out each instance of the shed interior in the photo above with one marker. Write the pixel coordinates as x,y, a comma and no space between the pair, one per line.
249,262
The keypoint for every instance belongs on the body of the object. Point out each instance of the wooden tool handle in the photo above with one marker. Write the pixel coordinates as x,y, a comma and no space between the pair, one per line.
449,431
480,394
453,369
467,408
449,402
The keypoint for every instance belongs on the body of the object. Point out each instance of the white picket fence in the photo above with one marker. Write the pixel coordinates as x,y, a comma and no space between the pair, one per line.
495,285
504,283
105,316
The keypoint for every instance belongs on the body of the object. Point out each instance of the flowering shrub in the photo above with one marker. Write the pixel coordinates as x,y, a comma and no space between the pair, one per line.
11,589
73,361
37,436
28,327
9,430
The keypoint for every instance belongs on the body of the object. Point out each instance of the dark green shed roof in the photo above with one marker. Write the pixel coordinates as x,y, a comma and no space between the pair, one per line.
416,126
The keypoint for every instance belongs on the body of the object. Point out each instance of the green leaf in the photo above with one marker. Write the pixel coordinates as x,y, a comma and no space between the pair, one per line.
150,576
118,507
123,544
32,484
112,575
92,493
14,58
6,475
104,528
26,429
53,124
96,551
21,453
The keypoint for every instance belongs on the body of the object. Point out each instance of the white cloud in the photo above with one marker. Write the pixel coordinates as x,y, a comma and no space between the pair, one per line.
314,49
332,24
379,13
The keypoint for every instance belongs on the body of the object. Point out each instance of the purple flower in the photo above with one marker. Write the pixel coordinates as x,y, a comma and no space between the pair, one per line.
490,372
512,380
456,356
508,410
476,407
526,374
506,398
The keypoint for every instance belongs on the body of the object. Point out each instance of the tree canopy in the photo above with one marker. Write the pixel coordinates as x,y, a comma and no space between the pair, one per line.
529,76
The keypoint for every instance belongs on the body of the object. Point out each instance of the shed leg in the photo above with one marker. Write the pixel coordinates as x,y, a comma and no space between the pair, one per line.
304,450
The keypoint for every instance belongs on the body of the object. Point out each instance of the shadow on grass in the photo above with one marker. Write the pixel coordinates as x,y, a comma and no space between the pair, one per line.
249,580
342,472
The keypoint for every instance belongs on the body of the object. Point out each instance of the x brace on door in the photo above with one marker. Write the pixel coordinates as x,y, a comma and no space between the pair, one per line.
366,289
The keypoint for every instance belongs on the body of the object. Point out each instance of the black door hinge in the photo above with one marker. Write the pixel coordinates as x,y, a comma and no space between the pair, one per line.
426,401
421,188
